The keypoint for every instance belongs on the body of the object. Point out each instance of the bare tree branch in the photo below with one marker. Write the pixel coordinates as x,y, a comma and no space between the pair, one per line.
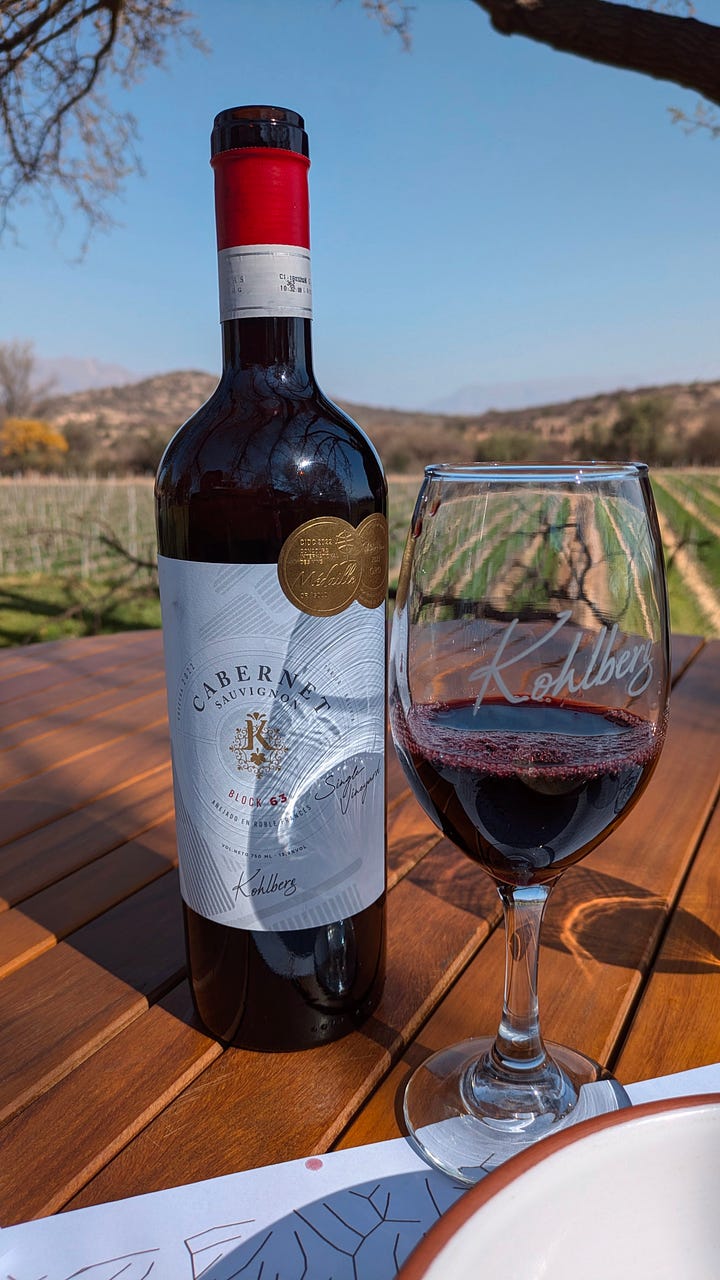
393,15
21,388
658,44
704,118
59,138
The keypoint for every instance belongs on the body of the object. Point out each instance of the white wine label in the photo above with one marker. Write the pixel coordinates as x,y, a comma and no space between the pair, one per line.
264,280
277,730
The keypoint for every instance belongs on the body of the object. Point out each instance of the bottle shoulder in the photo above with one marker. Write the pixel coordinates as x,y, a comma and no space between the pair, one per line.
257,460
249,424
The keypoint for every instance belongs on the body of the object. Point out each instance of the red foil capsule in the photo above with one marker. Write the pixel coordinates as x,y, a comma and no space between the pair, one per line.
261,197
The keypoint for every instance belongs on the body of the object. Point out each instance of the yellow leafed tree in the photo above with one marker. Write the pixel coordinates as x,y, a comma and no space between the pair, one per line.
30,442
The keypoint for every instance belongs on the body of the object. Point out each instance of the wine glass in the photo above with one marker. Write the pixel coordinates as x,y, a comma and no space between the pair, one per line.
529,677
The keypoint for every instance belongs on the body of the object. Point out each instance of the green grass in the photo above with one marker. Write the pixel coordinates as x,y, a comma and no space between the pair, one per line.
40,606
706,497
686,616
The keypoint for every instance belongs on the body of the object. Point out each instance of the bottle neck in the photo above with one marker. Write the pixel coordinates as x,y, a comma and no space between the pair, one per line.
279,344
263,237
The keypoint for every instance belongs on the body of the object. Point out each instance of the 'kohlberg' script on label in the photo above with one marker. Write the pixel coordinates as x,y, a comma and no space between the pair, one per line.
631,665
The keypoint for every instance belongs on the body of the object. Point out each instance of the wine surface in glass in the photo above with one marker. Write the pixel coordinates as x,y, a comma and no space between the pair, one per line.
525,789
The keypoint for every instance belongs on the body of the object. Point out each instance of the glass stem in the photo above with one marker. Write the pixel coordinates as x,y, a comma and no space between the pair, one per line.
518,1044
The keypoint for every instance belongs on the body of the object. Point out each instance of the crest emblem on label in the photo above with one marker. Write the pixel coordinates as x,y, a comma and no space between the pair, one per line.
326,564
258,747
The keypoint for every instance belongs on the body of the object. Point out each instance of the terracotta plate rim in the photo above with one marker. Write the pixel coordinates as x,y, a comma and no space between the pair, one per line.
425,1253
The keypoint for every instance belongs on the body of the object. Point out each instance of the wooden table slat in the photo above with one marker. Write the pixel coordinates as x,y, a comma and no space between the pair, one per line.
55,912
36,715
396,780
75,741
58,1009
683,650
58,653
72,1131
42,857
678,1019
66,786
214,1123
411,834
55,678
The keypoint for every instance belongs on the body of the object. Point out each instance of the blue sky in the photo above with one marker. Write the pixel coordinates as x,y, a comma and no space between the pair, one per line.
484,212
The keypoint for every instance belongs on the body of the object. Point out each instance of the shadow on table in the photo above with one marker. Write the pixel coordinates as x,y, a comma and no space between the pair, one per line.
614,921
590,914
140,940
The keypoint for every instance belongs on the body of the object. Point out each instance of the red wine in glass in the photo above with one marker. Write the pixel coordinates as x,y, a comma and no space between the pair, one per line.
526,789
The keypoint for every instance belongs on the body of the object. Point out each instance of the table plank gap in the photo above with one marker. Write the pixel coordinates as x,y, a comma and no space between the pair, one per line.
30,805
47,855
65,906
58,1009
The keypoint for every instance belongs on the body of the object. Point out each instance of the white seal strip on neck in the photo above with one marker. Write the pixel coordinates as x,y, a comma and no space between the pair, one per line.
264,280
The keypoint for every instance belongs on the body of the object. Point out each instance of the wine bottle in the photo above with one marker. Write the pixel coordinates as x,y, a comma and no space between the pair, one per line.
272,541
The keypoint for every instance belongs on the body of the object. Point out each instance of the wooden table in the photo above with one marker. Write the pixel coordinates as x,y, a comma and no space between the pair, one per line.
108,1087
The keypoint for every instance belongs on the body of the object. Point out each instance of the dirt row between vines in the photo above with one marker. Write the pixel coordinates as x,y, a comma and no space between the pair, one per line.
692,508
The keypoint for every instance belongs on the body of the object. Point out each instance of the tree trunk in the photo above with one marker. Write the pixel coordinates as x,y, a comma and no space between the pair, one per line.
661,45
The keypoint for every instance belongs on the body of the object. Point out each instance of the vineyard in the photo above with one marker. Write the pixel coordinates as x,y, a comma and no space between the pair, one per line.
688,504
77,555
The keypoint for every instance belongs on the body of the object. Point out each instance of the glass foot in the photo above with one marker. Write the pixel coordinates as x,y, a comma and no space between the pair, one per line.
465,1115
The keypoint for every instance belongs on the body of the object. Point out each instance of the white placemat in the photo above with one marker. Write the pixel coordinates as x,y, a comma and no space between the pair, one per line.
349,1215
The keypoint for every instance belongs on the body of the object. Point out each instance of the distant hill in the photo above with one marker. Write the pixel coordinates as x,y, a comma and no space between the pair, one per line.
165,401
116,429
126,427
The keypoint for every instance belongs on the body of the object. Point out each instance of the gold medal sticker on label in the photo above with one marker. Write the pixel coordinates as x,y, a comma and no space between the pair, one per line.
320,565
372,539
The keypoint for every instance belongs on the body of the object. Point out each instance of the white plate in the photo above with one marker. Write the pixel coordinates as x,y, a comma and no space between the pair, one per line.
633,1194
